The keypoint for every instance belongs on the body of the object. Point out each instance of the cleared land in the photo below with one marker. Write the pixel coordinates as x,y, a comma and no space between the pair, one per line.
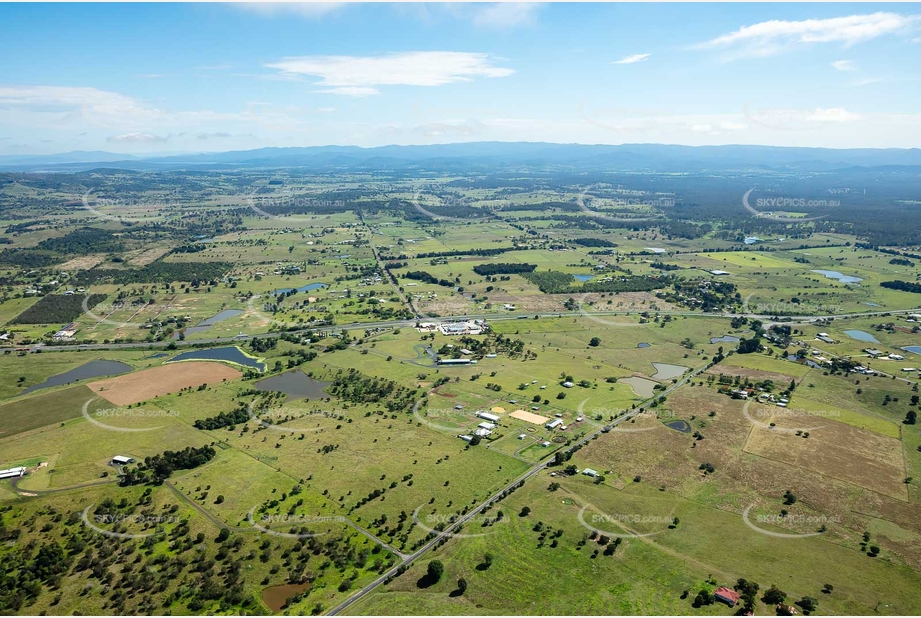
149,383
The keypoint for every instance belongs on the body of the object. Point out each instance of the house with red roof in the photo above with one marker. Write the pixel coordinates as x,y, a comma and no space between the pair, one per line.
726,595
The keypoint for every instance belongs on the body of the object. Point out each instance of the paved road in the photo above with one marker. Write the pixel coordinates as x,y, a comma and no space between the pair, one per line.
536,469
492,317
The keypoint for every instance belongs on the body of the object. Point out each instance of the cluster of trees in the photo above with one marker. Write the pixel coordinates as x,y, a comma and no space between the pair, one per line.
903,286
593,242
224,419
421,275
355,387
57,308
553,282
502,268
157,272
156,469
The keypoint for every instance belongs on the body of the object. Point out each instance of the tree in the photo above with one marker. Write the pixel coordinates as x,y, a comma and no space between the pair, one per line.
461,586
223,535
911,418
595,342
788,497
827,588
525,511
808,604
435,570
774,595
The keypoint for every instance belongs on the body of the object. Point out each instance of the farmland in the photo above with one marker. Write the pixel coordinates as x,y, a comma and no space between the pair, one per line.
607,414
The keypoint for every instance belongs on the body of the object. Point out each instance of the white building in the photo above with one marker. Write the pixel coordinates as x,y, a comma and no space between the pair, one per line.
554,423
121,460
486,416
13,473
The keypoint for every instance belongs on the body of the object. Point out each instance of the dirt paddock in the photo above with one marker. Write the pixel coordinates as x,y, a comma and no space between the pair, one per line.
149,383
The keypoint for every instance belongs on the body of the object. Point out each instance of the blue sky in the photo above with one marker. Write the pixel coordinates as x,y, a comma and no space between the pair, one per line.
158,78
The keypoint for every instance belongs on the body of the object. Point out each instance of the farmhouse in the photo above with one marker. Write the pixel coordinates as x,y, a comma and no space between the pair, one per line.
121,460
13,473
726,595
486,416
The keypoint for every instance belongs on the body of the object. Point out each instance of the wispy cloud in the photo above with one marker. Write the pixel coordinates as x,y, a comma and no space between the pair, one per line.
505,14
868,81
359,76
300,9
844,65
768,38
138,138
833,114
151,75
632,59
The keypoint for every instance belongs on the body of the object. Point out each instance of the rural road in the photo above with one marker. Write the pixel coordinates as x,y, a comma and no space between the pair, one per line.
536,469
411,323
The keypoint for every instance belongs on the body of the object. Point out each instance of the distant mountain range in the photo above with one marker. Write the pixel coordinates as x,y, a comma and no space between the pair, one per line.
488,155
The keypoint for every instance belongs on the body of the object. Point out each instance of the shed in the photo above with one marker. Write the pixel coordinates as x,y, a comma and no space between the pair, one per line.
121,460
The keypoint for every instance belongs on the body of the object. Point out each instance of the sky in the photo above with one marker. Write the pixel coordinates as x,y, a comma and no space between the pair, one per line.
169,78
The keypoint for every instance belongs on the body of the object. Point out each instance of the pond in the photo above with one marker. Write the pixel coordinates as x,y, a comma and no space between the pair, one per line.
860,335
92,369
664,371
295,384
834,274
724,339
230,355
276,596
643,344
643,387
160,355
207,323
681,426
310,287
583,277
913,348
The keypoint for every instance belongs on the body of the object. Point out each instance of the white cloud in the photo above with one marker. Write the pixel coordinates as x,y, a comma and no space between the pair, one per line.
358,75
844,65
771,37
137,138
701,128
832,114
300,9
505,14
631,59
733,126
352,91
98,107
